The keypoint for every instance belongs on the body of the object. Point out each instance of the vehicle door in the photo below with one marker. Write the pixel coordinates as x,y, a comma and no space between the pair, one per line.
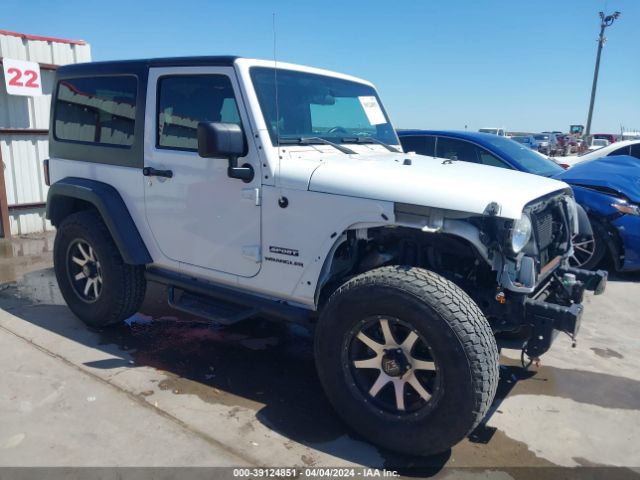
198,215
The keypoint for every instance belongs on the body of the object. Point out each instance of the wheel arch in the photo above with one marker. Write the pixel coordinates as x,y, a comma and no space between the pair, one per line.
613,242
584,224
71,195
464,233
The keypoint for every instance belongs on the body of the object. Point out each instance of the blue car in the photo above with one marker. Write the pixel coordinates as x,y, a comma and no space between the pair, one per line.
608,189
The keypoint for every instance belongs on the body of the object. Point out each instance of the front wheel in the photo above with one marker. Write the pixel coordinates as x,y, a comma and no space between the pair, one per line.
588,250
407,359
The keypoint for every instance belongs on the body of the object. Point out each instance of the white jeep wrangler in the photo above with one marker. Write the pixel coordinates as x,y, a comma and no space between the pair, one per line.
254,189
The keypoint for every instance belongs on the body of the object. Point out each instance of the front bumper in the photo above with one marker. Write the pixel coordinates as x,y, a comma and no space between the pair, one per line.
557,307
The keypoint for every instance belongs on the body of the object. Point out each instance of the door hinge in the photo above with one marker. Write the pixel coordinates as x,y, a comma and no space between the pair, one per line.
252,252
252,194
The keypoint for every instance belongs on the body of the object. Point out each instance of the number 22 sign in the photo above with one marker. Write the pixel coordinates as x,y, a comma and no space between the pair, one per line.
21,77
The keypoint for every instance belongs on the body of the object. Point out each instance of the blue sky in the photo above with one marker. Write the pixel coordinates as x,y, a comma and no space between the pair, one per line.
523,65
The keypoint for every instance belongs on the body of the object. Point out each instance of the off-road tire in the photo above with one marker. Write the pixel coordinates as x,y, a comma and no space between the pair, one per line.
458,333
123,285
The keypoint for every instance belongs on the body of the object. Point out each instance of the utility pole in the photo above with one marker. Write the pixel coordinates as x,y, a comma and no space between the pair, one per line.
605,21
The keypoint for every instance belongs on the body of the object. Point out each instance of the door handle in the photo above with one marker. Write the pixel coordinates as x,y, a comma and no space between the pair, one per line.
152,172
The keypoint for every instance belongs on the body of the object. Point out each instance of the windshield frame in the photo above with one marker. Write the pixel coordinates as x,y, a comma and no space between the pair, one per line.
390,137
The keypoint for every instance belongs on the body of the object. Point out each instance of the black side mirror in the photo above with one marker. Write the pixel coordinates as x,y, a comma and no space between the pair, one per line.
224,140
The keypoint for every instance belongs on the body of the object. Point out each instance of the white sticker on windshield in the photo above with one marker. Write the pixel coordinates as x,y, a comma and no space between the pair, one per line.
373,110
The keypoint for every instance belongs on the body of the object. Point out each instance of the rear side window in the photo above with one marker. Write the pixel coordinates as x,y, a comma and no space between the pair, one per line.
97,110
186,100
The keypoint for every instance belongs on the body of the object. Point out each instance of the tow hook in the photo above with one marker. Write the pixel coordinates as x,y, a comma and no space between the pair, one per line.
532,361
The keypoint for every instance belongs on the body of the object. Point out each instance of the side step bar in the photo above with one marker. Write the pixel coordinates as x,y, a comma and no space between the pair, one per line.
221,304
218,311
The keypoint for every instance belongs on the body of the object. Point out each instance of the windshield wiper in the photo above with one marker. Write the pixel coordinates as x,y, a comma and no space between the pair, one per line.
314,141
370,140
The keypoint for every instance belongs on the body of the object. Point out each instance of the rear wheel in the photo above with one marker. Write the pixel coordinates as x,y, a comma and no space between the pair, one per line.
407,359
94,280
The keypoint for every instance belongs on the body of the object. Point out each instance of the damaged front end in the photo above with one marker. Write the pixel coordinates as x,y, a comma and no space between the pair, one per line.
516,271
540,295
557,307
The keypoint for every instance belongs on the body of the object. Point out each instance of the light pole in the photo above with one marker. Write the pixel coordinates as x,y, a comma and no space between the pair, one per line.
605,21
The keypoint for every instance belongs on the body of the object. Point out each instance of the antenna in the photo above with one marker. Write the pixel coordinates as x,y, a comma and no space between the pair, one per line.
275,82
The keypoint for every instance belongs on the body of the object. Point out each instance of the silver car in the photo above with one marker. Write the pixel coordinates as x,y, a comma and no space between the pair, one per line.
547,143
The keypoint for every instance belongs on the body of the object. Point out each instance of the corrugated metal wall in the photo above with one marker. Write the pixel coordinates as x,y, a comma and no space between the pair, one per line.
22,156
23,152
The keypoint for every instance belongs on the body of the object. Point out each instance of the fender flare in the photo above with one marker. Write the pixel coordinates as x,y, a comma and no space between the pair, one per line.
461,230
109,204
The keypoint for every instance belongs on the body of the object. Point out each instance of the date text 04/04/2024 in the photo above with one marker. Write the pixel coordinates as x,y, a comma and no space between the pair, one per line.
313,472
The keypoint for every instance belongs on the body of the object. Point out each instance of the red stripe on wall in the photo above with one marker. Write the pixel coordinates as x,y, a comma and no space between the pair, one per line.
41,38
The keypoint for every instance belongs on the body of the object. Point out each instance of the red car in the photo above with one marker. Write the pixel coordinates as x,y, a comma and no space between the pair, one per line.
607,136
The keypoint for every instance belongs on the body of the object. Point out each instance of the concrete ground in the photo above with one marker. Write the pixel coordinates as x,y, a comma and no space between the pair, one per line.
169,389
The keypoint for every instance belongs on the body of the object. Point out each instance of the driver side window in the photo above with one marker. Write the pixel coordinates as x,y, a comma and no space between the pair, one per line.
455,149
487,158
186,100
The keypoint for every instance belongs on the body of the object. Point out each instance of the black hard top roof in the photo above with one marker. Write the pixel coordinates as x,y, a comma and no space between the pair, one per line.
133,66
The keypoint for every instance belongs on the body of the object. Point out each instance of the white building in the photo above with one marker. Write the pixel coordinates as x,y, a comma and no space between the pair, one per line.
24,124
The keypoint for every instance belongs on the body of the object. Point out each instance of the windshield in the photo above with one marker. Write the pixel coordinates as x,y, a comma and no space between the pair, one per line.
528,160
541,137
489,130
311,105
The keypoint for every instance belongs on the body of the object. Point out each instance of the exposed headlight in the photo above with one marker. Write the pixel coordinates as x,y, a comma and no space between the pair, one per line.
521,233
625,207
